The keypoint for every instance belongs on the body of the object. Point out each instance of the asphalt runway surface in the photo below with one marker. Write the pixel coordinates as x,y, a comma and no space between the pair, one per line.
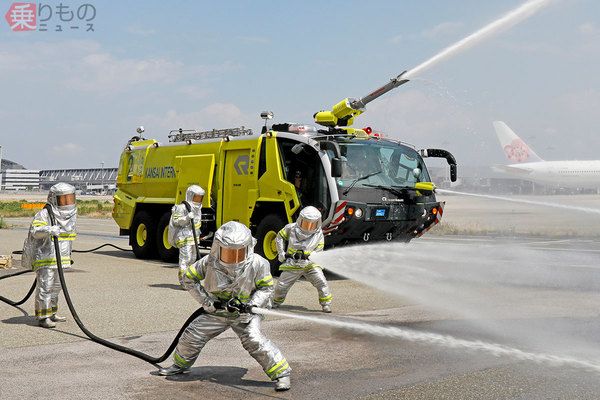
138,304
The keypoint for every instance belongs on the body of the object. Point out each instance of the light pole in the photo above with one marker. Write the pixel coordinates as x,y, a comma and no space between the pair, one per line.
102,177
1,168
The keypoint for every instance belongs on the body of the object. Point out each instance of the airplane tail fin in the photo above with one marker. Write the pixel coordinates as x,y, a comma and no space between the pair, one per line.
514,147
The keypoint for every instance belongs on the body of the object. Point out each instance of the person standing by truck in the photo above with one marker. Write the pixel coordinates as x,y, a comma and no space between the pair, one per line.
295,242
181,232
56,220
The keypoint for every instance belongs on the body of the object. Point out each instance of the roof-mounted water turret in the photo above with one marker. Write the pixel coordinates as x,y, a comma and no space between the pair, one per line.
342,114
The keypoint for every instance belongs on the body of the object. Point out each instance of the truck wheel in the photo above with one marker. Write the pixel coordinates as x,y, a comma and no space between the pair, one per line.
142,235
166,251
265,236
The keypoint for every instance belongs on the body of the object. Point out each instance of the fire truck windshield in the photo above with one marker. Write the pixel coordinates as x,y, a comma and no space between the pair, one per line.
399,165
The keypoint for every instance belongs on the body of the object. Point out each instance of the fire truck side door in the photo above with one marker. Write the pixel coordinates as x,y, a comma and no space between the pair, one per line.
195,170
238,181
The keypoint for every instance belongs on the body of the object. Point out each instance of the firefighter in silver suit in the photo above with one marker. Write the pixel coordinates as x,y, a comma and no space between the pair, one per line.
227,283
181,234
295,242
39,252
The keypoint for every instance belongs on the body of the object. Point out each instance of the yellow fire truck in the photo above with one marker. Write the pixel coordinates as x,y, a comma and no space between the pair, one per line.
368,187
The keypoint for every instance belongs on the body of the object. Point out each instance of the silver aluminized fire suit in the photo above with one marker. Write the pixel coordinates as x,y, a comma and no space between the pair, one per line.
180,227
210,281
39,247
294,246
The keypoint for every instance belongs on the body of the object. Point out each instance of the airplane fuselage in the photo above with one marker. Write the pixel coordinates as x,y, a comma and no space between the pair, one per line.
572,174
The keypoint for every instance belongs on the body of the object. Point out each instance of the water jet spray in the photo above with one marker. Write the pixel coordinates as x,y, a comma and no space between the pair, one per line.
586,210
512,18
447,341
342,114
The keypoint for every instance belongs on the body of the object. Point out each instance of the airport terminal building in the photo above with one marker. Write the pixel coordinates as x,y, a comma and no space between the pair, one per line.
20,179
86,180
15,177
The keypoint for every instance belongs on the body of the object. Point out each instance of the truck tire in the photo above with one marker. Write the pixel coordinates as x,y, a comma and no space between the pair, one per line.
166,251
266,231
142,235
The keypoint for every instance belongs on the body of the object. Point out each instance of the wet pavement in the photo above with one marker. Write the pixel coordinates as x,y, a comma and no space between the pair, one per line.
138,304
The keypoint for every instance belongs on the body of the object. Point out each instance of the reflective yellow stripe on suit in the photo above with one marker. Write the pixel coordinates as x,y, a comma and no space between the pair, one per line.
193,274
277,368
67,236
265,282
51,261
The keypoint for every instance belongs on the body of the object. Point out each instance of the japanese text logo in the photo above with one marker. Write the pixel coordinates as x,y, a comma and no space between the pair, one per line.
44,17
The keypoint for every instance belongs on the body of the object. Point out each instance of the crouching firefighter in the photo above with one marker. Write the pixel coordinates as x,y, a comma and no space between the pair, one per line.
228,282
181,234
295,242
39,252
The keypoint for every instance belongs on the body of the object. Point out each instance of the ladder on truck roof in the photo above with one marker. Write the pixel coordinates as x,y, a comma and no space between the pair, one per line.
182,135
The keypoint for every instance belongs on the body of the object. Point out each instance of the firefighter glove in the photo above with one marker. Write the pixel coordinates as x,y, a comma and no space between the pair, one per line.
235,304
54,231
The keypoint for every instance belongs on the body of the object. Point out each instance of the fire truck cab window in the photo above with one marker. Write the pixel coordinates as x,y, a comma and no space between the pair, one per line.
389,164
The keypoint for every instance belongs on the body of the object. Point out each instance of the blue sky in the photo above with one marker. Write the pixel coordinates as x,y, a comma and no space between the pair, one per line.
72,99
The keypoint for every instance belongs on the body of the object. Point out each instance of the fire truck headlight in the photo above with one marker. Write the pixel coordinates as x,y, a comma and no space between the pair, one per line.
358,213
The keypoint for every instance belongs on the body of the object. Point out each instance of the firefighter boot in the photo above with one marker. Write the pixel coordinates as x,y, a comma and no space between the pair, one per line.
282,383
172,370
46,323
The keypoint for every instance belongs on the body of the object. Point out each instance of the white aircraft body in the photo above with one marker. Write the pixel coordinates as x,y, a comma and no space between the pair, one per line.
529,166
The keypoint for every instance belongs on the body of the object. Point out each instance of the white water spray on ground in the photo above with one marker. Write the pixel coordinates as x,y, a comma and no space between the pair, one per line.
448,341
531,297
523,201
513,17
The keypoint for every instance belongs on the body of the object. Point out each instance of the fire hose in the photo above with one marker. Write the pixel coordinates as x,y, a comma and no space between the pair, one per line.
188,207
114,346
30,292
27,296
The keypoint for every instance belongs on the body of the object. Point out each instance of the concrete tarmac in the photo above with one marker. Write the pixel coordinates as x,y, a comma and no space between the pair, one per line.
138,303
475,215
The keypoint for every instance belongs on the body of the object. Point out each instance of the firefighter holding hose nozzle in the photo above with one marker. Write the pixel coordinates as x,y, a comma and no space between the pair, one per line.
295,242
39,253
227,283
